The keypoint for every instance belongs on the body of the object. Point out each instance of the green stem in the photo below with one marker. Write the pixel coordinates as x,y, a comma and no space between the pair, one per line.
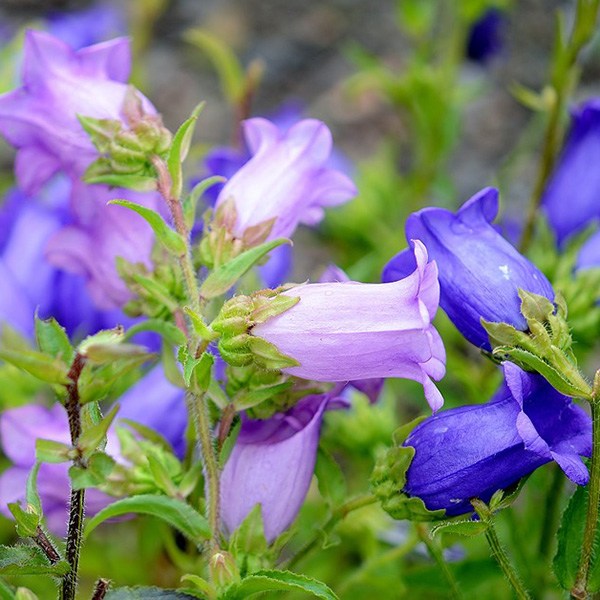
551,512
198,409
562,80
339,514
591,521
436,554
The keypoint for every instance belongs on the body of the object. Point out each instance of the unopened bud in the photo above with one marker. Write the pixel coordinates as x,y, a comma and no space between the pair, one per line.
223,570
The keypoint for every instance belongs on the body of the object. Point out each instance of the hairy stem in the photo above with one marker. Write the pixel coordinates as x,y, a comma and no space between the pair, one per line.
101,589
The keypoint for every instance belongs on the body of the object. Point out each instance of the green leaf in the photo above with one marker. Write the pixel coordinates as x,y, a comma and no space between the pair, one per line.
175,512
179,149
200,327
332,483
28,560
169,332
190,202
570,540
31,494
39,365
285,581
51,451
204,586
99,467
170,239
466,528
139,183
27,520
249,538
225,277
6,592
146,593
93,437
52,339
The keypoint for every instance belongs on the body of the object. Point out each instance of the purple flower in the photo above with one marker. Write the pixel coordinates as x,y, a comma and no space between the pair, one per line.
350,331
570,199
272,464
287,178
589,253
480,273
486,37
473,451
40,118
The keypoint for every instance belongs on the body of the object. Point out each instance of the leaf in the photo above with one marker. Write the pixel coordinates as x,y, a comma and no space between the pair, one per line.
28,560
92,437
190,202
6,592
39,365
175,512
139,183
146,593
179,149
169,332
225,277
31,493
570,540
285,581
26,520
466,528
52,339
51,451
332,483
99,467
170,239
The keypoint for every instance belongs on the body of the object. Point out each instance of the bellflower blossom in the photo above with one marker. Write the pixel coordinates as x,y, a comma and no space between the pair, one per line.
287,178
350,331
486,37
473,451
272,464
480,273
570,200
59,83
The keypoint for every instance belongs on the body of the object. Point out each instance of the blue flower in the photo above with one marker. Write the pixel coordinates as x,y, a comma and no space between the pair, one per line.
486,37
473,451
480,273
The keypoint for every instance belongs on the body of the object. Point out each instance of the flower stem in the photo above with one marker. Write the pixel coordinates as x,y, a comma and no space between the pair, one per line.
436,554
339,514
551,512
591,522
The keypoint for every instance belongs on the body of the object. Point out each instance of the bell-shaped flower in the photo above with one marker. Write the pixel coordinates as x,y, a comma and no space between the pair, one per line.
480,273
287,180
272,464
570,200
348,331
473,451
58,83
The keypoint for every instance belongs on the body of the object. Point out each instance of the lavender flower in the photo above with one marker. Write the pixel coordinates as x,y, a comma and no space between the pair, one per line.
480,273
287,178
473,451
486,37
351,331
40,118
272,464
570,199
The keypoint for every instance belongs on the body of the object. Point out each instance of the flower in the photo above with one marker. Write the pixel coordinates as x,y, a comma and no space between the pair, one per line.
589,253
486,38
272,464
287,179
570,200
480,273
59,83
347,331
473,451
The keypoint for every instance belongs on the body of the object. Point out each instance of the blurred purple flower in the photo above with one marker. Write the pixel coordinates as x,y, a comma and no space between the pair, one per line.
287,178
480,273
272,464
88,26
473,451
40,118
486,38
589,253
351,331
570,199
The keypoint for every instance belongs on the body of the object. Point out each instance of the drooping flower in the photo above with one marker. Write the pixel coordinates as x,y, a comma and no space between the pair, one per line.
480,273
473,451
287,179
59,83
570,200
350,331
272,464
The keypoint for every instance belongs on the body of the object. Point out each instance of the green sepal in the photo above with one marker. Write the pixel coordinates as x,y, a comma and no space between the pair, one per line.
171,240
199,326
101,131
29,560
161,475
94,438
100,172
52,339
463,527
156,290
169,332
268,356
26,520
179,149
98,467
51,451
223,278
24,594
196,371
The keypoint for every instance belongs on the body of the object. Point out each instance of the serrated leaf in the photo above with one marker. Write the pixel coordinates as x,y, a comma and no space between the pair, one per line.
170,239
39,365
26,520
285,581
52,340
570,540
146,593
28,560
169,332
226,276
176,513
464,528
179,149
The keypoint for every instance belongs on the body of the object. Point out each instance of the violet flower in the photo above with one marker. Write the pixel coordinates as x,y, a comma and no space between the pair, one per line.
352,331
473,451
59,83
480,273
272,464
486,38
589,253
570,200
287,178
